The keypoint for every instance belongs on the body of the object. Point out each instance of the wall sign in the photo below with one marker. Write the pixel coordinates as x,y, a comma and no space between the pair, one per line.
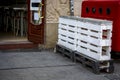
34,4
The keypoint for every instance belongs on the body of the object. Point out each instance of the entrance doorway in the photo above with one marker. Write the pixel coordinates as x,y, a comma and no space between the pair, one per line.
13,20
21,23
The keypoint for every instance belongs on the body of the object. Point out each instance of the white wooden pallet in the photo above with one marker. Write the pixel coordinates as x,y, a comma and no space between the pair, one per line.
93,40
95,33
94,51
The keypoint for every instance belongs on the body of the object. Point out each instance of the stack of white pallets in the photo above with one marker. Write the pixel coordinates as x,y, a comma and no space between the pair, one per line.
67,35
94,38
91,37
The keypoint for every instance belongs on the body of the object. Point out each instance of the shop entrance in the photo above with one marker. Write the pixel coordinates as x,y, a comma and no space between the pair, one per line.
20,23
13,23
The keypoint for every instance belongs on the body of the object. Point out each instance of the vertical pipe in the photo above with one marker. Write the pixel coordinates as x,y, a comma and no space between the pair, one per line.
72,7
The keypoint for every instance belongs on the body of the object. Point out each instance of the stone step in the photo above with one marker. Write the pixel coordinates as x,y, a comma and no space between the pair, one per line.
17,45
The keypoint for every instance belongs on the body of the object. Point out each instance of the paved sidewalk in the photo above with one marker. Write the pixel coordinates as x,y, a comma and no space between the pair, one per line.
47,65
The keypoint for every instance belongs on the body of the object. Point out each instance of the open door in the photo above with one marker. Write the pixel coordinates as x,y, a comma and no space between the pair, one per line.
36,21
